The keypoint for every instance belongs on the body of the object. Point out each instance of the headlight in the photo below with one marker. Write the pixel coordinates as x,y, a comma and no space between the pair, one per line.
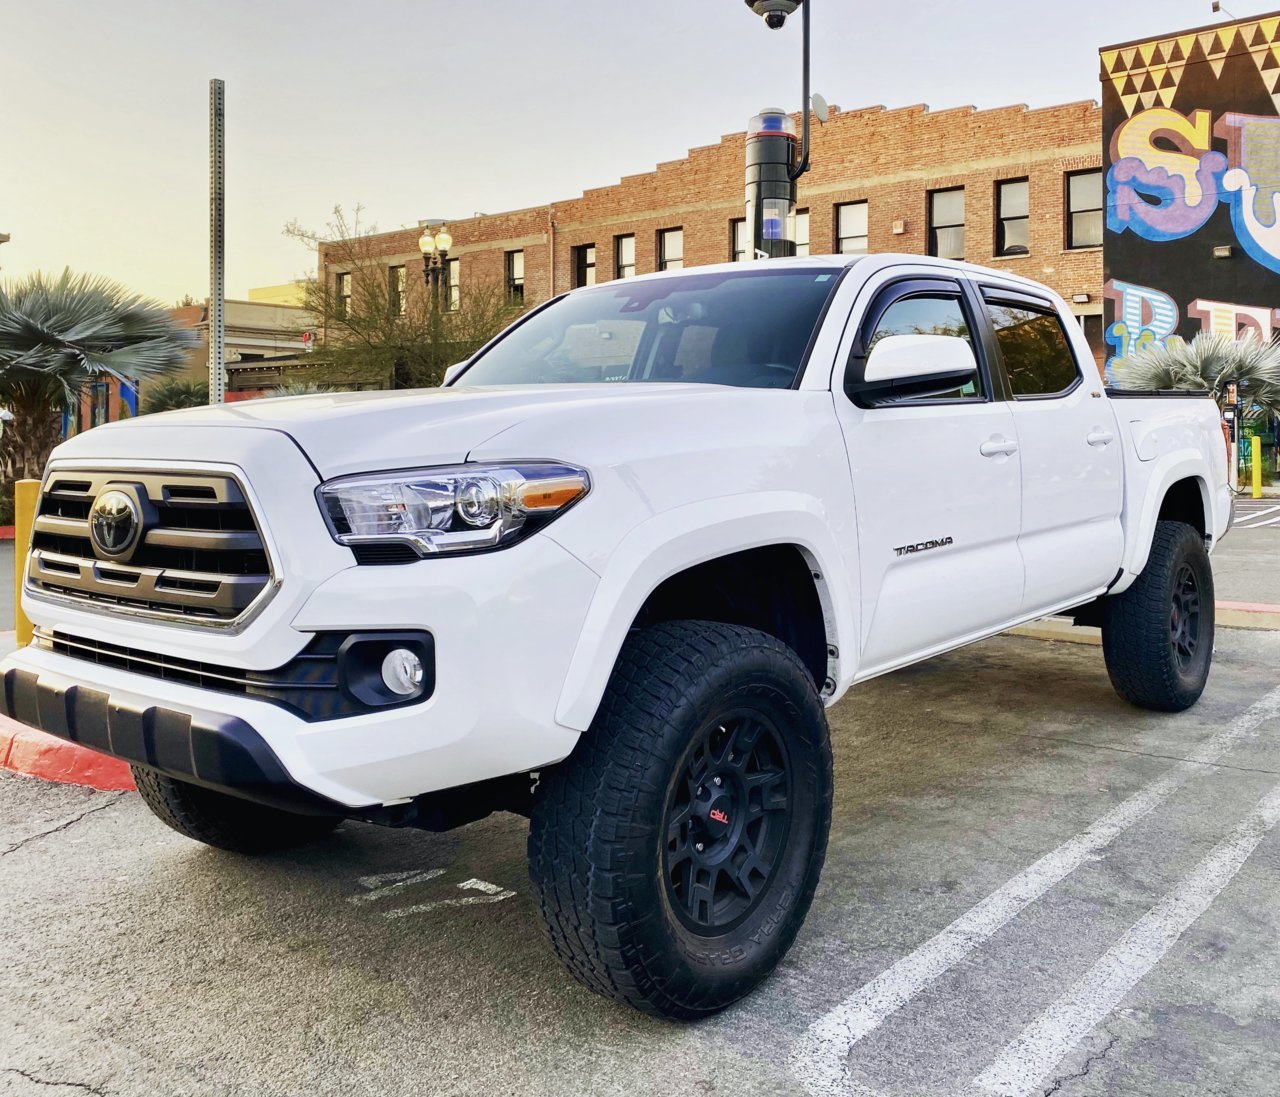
462,508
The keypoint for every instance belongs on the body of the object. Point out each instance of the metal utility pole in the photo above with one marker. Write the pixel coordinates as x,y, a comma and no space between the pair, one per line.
217,244
773,163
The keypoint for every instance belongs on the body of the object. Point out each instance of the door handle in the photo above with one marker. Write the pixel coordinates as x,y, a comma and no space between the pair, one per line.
998,446
1099,437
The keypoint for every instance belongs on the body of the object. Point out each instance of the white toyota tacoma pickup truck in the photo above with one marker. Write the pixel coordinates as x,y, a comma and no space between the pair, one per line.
609,575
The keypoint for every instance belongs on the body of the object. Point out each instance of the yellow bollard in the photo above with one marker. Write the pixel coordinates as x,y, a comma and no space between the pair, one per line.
26,494
1255,444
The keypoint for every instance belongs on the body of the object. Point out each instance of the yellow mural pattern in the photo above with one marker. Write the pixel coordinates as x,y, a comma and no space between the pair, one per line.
1148,75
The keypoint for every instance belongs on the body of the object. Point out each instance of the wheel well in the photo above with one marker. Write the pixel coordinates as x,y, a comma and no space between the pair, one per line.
771,589
1183,502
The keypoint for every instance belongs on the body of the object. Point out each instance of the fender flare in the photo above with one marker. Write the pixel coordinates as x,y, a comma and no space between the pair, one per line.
678,539
1169,470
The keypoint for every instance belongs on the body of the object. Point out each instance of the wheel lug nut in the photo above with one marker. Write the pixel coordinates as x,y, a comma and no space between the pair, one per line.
718,781
698,846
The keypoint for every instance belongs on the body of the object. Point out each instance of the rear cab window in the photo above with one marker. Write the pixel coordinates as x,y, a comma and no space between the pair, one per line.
1034,346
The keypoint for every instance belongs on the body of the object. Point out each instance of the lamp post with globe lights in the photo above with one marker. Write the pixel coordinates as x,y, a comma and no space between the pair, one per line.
434,243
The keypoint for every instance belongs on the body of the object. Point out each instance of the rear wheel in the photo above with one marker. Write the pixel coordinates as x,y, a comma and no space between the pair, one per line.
227,822
1158,635
676,852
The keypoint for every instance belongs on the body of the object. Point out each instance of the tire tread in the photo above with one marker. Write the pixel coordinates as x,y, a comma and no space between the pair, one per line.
577,843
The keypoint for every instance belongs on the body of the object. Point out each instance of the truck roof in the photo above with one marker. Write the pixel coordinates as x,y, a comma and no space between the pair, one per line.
878,260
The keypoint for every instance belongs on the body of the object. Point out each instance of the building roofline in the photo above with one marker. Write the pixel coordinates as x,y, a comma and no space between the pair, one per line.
1191,30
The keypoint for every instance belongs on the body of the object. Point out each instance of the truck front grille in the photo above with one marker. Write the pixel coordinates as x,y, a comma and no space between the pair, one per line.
192,550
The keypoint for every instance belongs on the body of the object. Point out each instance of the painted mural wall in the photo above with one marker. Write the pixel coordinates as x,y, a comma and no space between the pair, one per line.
1191,129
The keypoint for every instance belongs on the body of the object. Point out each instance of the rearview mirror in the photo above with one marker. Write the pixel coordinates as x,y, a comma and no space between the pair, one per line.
452,372
913,366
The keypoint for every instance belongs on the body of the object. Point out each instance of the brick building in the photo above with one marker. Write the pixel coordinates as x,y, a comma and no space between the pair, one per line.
1011,188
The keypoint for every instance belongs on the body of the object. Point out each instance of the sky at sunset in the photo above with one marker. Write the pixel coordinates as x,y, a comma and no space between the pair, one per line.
442,108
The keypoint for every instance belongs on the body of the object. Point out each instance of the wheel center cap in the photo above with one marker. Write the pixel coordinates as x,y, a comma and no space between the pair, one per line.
719,816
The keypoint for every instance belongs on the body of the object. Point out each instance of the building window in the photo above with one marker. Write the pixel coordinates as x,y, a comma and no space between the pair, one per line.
342,290
1084,209
1013,217
395,290
670,249
99,403
453,284
739,240
946,223
851,228
584,265
802,232
515,277
624,256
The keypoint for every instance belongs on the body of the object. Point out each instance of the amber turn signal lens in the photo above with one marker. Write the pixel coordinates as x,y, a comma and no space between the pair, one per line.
549,494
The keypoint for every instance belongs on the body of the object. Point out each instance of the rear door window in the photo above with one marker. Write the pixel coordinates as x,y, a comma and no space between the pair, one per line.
1036,351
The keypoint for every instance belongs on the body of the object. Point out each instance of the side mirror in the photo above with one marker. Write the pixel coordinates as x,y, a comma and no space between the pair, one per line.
902,366
452,372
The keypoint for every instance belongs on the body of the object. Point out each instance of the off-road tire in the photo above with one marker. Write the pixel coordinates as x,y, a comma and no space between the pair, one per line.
1140,628
603,860
227,822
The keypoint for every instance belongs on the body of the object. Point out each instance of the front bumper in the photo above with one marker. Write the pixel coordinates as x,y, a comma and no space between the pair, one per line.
206,748
506,625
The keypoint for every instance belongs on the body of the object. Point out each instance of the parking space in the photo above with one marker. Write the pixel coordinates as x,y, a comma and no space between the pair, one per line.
1257,514
1032,888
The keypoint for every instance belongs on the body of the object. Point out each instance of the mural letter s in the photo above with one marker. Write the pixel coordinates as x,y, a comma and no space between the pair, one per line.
1163,193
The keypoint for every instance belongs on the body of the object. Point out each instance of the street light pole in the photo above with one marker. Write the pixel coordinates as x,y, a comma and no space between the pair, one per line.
773,166
434,245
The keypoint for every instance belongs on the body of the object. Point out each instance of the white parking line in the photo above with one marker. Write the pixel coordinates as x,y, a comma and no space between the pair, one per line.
492,894
1026,1061
820,1057
392,883
1251,515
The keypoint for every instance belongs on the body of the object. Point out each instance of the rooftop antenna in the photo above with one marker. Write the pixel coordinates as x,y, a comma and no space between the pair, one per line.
1218,8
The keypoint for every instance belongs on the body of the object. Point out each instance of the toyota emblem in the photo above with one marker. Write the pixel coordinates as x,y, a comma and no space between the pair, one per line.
114,523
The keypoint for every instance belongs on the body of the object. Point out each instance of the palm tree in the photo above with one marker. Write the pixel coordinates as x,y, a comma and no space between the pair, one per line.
57,334
1211,362
175,393
301,388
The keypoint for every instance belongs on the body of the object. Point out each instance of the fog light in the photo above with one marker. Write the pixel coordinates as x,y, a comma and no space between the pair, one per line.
402,672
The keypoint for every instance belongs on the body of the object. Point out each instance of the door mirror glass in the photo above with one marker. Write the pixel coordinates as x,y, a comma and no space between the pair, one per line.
915,366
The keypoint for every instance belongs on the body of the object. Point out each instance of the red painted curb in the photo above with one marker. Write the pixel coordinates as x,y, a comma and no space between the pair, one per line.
35,754
1250,607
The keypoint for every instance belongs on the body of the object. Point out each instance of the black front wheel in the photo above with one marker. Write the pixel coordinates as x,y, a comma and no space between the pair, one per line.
227,822
1158,635
676,852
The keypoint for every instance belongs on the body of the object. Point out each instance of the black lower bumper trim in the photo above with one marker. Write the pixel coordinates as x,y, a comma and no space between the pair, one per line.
219,752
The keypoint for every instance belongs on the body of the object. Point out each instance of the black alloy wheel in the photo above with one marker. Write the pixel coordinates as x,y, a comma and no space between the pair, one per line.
727,821
1157,636
1184,618
675,852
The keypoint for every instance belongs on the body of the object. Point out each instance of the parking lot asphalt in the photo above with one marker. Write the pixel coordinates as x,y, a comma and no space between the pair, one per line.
1031,888
1244,565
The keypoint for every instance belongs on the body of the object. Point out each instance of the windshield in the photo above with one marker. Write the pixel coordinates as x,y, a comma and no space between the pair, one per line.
745,328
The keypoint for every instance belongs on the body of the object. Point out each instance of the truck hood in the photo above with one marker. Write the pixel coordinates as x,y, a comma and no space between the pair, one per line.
353,432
